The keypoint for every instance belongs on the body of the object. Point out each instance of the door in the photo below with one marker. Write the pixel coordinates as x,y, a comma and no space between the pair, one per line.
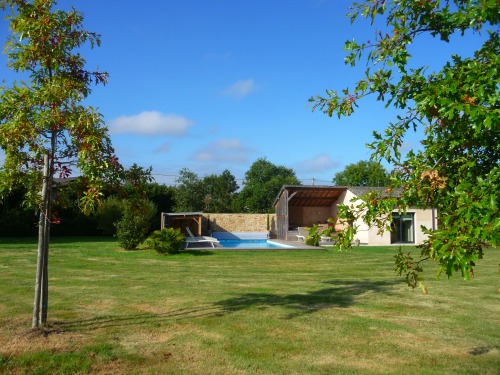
403,228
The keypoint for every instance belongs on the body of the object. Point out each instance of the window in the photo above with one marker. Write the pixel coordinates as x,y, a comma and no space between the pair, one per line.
403,228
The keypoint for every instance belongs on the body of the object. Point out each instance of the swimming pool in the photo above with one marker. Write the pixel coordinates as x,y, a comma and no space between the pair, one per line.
247,240
252,244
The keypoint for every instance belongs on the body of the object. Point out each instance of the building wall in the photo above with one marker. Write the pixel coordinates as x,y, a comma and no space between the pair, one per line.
307,216
371,236
295,217
282,221
315,215
376,239
238,223
364,234
425,218
422,217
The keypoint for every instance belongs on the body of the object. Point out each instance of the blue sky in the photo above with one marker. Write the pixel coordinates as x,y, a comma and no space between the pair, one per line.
211,85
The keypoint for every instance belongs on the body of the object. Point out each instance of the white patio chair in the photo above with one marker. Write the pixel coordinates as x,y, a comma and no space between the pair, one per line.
192,239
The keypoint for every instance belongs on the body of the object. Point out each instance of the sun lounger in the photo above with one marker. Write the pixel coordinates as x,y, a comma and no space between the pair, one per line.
192,239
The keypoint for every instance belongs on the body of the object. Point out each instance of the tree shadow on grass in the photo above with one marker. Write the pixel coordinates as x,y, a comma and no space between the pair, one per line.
130,320
342,294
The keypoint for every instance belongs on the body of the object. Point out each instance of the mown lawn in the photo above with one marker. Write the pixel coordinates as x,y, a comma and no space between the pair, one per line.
242,312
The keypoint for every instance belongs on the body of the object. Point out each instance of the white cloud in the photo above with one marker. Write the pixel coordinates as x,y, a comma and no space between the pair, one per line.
240,88
224,150
150,123
318,164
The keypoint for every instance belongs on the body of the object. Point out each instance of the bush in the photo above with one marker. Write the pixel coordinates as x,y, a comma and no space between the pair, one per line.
166,241
313,237
133,228
108,214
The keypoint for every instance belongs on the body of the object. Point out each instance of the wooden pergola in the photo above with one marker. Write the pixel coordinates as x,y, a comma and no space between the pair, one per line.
302,196
181,220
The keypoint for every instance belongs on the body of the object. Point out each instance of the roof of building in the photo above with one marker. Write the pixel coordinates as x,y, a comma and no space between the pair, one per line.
310,195
182,214
304,195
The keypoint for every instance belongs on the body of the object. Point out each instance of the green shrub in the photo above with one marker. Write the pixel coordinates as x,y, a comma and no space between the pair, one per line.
133,228
166,241
108,214
313,237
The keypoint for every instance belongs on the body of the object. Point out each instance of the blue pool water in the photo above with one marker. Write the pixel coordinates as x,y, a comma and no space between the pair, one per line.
247,240
251,244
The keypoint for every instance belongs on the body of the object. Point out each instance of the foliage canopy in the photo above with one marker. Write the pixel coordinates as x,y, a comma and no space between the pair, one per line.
457,169
212,193
362,173
45,130
263,181
44,115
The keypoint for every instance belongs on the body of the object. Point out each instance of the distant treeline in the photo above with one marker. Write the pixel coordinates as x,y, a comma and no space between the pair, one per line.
215,193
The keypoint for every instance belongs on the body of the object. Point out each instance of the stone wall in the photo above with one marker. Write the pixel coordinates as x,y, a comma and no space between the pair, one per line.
238,223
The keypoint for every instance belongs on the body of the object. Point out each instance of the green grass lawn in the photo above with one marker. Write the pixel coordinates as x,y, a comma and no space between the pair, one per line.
242,312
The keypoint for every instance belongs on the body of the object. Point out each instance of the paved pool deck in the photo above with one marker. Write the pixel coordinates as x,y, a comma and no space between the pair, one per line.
295,245
291,245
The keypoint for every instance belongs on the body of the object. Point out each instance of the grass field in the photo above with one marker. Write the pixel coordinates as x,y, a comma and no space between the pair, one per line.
242,312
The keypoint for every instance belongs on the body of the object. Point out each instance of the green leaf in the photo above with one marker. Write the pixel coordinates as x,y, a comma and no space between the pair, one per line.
493,202
487,122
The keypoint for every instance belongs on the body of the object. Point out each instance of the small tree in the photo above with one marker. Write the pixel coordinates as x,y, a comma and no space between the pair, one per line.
134,226
44,128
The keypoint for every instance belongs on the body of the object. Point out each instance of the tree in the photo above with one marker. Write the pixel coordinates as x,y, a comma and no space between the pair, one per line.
66,211
134,226
135,181
362,173
136,192
457,170
162,197
263,181
188,192
45,129
213,193
219,192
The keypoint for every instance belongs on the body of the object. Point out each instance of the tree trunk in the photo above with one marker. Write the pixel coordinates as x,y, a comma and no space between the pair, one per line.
45,273
41,283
